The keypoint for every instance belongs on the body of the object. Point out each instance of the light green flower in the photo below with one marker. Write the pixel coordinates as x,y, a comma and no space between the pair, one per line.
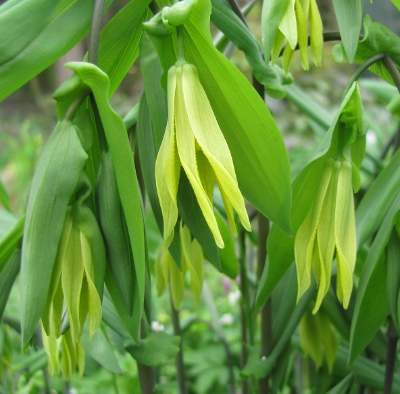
329,231
294,28
78,271
194,140
192,261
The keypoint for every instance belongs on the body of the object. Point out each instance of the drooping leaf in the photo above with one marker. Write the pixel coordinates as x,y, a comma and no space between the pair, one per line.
31,39
349,18
156,349
124,166
372,306
52,187
10,240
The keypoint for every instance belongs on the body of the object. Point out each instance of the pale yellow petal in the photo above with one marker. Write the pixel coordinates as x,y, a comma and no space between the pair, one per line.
302,32
345,234
288,25
211,140
316,37
177,283
187,153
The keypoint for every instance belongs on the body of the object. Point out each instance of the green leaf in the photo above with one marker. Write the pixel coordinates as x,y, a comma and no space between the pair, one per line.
349,18
377,200
372,306
124,166
396,3
10,240
101,350
377,38
393,276
7,278
156,349
272,13
31,39
343,386
53,187
4,197
229,23
253,138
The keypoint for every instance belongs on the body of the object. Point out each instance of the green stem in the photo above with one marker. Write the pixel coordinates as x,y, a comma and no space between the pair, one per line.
95,31
393,71
390,357
180,366
236,10
363,67
146,373
181,45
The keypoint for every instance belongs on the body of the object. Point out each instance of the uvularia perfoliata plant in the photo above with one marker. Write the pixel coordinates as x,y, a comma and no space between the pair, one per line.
194,141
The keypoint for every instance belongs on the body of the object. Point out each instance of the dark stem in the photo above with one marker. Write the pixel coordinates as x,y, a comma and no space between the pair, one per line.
180,367
363,67
146,373
266,311
236,10
73,108
390,357
393,71
95,31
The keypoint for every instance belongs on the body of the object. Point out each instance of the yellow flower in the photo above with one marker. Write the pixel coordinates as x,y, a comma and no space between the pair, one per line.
328,231
293,27
74,288
192,261
194,140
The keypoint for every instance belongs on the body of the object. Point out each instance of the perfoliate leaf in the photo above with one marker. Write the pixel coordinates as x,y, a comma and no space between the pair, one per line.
124,166
52,187
349,18
156,349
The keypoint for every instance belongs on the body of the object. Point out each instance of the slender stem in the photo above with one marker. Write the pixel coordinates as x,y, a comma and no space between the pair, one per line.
181,46
73,108
390,357
266,311
95,31
393,70
216,326
368,63
236,10
180,367
146,373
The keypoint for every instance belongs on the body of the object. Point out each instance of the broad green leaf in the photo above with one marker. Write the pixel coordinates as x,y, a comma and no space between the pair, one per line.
31,39
229,23
7,278
372,306
377,38
393,276
4,197
272,13
10,240
52,187
101,350
124,166
119,41
377,200
349,18
250,131
156,349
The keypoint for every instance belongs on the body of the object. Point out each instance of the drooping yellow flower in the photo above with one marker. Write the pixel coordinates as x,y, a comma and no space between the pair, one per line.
74,289
192,261
194,140
294,28
328,231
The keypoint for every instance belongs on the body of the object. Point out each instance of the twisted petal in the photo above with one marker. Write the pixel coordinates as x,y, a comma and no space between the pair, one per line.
185,139
168,166
345,234
212,143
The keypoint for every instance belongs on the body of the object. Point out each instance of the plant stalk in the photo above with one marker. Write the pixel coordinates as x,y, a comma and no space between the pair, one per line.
180,367
95,31
146,373
390,357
